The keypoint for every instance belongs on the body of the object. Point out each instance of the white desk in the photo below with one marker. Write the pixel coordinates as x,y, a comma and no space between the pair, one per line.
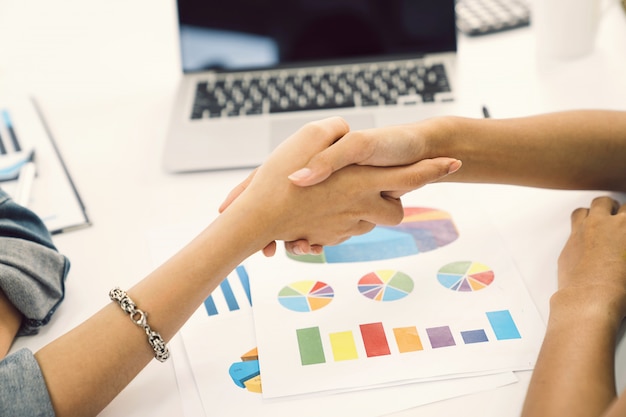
104,73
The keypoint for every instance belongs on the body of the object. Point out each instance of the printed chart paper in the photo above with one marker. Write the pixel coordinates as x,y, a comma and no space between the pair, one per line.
215,345
222,331
54,197
437,296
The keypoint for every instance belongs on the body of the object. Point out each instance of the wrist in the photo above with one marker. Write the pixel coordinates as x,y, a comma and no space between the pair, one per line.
441,136
250,223
595,305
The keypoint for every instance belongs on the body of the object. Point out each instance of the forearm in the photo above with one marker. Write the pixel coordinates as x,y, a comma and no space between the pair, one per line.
566,150
86,368
574,374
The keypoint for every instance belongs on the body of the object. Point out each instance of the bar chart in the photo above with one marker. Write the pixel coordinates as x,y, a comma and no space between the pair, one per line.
232,294
374,340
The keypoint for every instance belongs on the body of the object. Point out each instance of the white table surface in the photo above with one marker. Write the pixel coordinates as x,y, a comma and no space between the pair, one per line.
105,73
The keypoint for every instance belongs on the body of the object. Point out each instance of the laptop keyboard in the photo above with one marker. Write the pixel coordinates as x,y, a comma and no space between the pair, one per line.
381,84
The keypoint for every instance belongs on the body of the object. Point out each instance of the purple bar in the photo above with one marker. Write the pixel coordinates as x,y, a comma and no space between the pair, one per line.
440,337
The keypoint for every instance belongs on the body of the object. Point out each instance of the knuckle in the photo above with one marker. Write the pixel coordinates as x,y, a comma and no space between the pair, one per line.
598,200
362,142
579,211
365,227
341,122
325,126
397,214
313,128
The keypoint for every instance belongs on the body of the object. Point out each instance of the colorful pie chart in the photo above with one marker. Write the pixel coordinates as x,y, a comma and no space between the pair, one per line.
247,373
422,230
465,276
385,285
305,296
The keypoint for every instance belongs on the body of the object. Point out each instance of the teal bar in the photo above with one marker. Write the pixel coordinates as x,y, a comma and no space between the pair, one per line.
310,345
503,325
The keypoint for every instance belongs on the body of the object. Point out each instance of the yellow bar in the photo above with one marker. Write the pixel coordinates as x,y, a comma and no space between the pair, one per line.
407,339
343,346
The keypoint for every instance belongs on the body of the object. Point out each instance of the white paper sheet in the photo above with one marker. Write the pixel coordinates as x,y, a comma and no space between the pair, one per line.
351,342
208,345
212,346
53,195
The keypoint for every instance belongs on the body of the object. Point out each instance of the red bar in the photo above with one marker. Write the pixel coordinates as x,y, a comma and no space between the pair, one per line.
374,339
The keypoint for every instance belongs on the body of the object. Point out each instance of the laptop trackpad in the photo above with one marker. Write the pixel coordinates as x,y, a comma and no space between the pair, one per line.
282,129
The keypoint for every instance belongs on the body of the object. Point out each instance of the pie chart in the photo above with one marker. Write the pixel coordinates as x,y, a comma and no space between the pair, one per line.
465,276
305,296
421,230
247,373
385,285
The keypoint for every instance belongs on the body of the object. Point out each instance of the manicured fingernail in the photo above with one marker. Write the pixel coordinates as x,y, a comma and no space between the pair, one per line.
300,174
297,250
454,166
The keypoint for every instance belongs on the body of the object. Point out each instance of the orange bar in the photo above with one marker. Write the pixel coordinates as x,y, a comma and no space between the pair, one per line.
407,339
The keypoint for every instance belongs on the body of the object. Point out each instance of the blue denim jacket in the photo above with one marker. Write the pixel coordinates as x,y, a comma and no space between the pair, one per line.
32,276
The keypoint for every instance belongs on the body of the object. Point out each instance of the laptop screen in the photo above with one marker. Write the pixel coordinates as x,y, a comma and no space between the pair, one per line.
254,34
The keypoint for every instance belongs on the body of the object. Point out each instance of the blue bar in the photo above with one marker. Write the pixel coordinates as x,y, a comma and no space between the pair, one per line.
3,150
474,336
229,296
209,304
503,325
9,125
6,117
245,281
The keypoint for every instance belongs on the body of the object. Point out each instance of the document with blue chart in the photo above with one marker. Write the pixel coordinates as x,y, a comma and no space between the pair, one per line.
24,135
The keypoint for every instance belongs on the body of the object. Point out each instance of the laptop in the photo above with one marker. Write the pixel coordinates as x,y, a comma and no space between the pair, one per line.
253,72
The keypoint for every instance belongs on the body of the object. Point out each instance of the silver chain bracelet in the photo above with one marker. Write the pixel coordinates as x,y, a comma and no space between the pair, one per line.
140,318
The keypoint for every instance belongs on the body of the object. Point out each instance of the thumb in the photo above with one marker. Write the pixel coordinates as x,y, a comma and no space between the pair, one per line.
317,170
338,155
398,181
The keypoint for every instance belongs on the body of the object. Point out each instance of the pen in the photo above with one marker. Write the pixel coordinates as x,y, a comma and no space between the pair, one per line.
486,112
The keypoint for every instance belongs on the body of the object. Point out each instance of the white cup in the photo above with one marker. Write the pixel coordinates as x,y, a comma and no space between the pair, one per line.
566,29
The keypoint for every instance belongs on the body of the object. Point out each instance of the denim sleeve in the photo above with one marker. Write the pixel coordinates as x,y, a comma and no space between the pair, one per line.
23,391
32,271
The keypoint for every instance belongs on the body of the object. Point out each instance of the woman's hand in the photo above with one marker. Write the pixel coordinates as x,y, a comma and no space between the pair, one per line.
574,374
350,202
386,146
593,262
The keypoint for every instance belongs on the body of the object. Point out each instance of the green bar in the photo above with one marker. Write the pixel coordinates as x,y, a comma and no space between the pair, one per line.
310,345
